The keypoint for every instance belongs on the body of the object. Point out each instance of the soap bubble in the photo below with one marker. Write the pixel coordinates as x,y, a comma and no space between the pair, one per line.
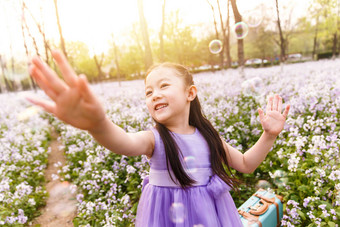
240,30
246,87
215,46
252,87
280,178
177,213
254,19
263,184
63,198
190,163
28,113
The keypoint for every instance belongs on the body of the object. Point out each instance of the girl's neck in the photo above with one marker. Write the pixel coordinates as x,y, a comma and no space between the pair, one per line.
185,130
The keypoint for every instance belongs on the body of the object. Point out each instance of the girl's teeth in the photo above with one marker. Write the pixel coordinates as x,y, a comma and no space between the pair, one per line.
160,107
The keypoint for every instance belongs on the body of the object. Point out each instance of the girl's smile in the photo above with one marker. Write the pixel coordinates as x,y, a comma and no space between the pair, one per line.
160,106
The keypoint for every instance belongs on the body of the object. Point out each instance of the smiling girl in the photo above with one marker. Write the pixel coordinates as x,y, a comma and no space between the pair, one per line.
178,191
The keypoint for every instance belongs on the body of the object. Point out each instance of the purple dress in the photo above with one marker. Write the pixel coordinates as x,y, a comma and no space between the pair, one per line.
165,204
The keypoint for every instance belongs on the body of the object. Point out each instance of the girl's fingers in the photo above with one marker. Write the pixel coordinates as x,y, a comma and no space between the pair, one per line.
46,105
85,89
269,104
275,102
286,111
51,77
65,68
42,82
261,114
279,105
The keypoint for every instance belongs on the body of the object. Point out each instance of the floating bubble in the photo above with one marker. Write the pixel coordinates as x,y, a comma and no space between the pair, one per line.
28,112
252,87
257,85
254,19
246,87
177,213
61,189
263,184
280,178
190,163
215,46
240,30
65,208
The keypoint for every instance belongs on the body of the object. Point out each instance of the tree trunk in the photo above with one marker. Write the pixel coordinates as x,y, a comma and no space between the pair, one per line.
215,23
42,32
99,66
315,38
137,39
23,21
144,30
161,35
335,41
240,49
62,41
3,69
282,40
223,35
227,41
33,39
116,62
216,33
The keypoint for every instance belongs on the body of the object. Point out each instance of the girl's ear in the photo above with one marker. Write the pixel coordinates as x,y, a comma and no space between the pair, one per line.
192,93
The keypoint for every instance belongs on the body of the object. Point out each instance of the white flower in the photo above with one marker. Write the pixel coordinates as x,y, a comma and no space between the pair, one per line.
125,199
130,169
54,176
293,162
31,202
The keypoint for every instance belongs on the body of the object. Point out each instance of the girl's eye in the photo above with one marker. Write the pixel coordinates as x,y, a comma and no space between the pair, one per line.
164,85
148,93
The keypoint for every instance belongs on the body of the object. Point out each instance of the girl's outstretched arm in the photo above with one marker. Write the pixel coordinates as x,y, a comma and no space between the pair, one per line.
73,102
272,124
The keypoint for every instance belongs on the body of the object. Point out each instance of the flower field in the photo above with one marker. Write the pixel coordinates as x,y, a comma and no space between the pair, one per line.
23,158
303,165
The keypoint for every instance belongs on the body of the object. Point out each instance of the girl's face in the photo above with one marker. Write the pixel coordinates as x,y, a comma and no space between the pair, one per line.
167,97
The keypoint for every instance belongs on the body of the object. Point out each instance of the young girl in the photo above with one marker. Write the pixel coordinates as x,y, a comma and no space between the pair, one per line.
187,185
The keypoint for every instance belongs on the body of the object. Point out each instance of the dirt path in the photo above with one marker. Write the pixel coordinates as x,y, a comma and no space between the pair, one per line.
60,207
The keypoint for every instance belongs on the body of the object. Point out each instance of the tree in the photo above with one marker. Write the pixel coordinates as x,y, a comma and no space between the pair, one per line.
144,30
238,18
215,23
180,44
227,40
282,40
81,61
216,30
62,41
225,29
99,64
41,29
161,34
3,65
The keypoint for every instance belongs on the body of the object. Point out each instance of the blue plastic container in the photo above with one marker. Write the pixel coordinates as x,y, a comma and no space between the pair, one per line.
262,209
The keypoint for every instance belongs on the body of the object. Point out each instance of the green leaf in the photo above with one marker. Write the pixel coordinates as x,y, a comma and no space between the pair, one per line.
302,215
303,188
331,224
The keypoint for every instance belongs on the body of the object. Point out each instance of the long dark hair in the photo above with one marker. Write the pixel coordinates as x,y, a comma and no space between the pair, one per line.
218,157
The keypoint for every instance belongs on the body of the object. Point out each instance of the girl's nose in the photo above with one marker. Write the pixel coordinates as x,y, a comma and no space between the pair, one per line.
155,95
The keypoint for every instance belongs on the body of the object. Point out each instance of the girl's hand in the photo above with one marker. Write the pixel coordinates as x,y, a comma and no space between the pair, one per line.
273,122
72,100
